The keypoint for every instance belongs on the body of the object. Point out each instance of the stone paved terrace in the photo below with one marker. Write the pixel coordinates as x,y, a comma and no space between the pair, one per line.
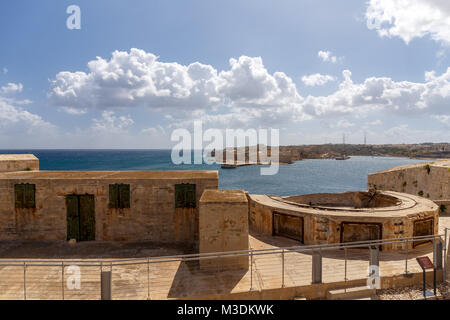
178,279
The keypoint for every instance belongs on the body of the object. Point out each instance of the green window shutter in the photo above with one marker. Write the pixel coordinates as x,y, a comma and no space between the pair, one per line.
185,196
19,195
180,195
29,200
73,219
113,196
124,195
190,196
87,217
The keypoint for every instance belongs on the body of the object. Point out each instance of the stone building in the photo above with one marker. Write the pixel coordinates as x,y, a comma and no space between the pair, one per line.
160,206
428,180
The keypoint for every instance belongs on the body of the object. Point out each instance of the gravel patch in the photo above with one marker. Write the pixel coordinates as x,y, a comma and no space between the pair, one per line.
414,293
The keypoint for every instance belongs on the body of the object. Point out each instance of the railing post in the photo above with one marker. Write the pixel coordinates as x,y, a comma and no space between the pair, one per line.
406,259
251,270
437,253
105,283
374,256
148,279
345,269
62,279
316,267
445,254
25,281
282,268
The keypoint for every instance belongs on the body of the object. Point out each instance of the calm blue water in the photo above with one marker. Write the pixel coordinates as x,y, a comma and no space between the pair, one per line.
308,176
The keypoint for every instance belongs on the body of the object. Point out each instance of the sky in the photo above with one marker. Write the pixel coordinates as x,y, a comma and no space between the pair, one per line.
137,70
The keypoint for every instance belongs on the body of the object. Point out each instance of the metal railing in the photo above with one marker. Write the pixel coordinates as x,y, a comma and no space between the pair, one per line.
198,275
446,251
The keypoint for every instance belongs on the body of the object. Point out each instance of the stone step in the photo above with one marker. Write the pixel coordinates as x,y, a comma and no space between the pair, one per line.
350,293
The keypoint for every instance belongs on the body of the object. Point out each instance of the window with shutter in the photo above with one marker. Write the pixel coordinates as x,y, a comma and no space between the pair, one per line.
73,222
124,195
24,196
119,196
185,196
19,195
113,196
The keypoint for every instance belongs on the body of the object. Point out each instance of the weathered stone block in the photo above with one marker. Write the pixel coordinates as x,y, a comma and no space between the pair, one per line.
223,226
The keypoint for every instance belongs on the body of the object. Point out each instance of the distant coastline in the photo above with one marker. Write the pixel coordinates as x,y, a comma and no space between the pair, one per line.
289,154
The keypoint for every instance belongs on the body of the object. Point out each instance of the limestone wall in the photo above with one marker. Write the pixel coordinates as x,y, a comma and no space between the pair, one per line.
18,162
324,226
223,226
428,180
152,215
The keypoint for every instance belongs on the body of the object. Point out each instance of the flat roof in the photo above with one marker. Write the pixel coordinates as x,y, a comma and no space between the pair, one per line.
17,157
180,174
216,196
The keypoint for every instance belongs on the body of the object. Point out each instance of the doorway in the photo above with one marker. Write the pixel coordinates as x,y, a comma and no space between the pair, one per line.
80,217
423,228
360,231
288,226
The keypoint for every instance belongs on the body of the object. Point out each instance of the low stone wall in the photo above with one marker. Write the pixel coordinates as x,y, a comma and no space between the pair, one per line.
428,180
319,291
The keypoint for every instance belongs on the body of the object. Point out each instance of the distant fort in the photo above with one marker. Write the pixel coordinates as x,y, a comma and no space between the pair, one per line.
289,154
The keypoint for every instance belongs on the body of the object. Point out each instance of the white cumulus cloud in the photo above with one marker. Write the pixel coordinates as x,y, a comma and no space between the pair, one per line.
110,123
11,88
245,93
317,79
137,78
445,119
384,94
327,56
409,19
18,125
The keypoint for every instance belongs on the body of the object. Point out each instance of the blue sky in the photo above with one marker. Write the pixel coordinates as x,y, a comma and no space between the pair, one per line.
365,79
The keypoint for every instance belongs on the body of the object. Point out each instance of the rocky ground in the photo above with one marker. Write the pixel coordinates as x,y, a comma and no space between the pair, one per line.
413,293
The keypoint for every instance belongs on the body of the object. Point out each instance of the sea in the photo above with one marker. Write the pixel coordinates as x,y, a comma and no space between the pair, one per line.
301,177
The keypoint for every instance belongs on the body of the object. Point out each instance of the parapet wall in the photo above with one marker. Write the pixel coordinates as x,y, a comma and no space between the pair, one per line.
18,162
428,180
